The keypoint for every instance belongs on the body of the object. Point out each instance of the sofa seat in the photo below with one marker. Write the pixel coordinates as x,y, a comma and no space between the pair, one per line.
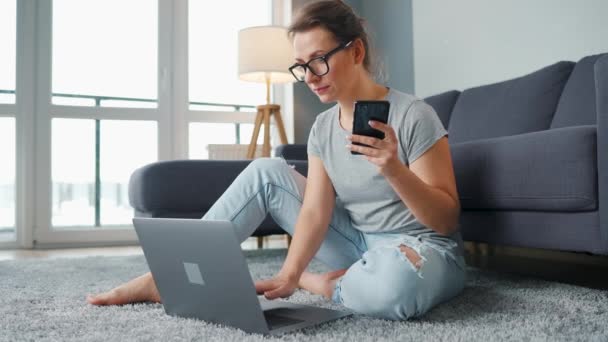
550,170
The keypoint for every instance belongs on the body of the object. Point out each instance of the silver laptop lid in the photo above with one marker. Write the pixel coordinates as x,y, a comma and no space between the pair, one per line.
191,275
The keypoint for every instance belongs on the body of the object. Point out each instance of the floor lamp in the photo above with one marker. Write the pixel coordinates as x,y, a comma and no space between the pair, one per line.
265,55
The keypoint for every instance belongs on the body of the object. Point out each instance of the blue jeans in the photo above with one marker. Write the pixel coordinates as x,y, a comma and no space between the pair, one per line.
380,281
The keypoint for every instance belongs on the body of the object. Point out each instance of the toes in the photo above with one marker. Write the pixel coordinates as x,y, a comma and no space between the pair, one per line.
106,298
91,299
100,299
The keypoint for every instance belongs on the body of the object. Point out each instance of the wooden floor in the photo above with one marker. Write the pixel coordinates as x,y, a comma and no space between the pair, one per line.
572,268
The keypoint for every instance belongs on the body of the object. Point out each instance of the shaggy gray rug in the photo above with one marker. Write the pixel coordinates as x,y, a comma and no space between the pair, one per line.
44,300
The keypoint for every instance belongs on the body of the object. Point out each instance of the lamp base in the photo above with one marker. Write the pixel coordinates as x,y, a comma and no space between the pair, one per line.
263,115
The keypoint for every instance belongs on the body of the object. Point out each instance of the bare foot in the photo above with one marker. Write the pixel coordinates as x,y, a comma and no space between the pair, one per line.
322,283
140,289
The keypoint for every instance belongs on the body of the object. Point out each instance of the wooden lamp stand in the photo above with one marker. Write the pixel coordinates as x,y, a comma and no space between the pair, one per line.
264,114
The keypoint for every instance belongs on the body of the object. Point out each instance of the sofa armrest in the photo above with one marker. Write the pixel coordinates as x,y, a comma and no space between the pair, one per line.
292,151
184,186
601,98
443,104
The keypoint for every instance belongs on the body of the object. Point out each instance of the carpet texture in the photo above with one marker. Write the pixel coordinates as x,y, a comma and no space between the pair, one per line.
44,300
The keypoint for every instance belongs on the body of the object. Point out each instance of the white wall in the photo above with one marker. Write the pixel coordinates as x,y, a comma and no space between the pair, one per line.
389,23
461,44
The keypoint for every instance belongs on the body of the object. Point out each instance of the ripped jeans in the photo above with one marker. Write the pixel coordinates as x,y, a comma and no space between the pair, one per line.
380,281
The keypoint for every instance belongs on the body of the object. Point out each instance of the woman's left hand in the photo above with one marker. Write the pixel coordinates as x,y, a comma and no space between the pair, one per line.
279,286
382,152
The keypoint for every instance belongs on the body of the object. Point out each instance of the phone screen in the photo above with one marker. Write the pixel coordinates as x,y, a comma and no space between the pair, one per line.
366,111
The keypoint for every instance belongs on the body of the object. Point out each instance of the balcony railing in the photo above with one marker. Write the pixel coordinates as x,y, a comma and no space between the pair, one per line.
98,101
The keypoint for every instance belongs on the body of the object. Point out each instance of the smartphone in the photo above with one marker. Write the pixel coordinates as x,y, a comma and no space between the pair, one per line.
366,111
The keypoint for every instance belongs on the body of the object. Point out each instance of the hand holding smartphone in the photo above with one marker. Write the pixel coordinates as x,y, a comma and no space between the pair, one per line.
366,111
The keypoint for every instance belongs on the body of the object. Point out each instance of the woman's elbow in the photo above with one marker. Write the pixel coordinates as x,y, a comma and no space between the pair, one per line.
449,225
446,230
452,225
451,228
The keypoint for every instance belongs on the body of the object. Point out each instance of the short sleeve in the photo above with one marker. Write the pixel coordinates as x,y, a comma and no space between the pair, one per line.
421,129
312,147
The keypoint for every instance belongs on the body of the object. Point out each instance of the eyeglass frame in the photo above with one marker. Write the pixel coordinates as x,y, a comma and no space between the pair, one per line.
324,58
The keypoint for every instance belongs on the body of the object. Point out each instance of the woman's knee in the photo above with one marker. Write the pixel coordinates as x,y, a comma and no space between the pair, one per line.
267,168
389,283
265,164
381,284
274,174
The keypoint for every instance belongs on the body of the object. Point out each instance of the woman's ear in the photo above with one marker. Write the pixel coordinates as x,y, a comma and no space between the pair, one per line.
359,51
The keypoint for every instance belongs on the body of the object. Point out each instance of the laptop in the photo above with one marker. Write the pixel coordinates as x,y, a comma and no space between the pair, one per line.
200,272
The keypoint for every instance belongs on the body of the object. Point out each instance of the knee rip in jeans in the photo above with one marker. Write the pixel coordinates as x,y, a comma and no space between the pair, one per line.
414,257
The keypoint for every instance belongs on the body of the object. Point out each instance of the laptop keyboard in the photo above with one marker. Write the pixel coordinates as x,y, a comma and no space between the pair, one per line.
277,318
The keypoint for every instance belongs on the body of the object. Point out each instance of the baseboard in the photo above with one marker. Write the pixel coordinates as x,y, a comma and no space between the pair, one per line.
485,249
566,267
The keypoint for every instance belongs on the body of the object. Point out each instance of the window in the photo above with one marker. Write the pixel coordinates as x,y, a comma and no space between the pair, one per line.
103,89
7,52
92,162
8,47
212,50
105,53
73,171
7,179
213,76
120,155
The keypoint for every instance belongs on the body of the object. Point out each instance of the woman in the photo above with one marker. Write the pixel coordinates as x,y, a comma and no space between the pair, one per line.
385,221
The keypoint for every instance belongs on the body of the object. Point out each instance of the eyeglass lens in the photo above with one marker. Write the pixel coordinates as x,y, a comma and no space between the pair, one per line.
317,66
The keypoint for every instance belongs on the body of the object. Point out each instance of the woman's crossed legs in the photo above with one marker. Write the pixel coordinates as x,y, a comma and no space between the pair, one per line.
396,282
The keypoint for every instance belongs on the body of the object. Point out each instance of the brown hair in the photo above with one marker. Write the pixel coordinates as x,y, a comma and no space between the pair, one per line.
336,17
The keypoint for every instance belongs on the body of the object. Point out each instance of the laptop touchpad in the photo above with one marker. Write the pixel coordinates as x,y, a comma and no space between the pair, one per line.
280,317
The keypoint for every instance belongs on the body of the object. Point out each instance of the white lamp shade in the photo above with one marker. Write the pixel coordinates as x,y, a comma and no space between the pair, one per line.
265,52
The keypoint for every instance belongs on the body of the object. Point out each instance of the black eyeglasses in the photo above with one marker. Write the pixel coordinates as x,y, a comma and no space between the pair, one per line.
317,65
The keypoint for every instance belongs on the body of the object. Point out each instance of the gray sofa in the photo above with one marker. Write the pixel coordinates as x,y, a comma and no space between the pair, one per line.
530,157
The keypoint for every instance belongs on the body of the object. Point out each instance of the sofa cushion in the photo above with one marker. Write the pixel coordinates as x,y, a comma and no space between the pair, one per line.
443,104
551,170
521,105
576,106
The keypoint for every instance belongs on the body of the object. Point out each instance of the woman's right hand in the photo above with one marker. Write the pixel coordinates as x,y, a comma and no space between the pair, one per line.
281,286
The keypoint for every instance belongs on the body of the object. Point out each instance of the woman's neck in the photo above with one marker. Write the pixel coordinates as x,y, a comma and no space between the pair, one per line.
365,89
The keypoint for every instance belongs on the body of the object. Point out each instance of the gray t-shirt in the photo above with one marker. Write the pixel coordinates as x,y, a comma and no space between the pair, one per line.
373,205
